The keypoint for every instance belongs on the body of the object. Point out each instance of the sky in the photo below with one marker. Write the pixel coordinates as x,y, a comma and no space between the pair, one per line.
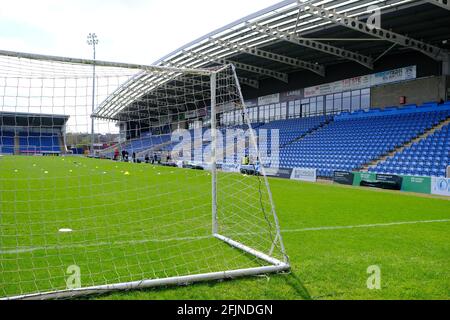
133,31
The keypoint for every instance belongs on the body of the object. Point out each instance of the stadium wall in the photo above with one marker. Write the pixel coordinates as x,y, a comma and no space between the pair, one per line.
415,91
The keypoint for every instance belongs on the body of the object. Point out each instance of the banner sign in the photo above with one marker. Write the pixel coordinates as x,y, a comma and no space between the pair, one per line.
363,82
270,99
416,184
284,173
383,181
396,75
343,177
408,183
291,95
251,103
304,174
440,186
230,167
390,178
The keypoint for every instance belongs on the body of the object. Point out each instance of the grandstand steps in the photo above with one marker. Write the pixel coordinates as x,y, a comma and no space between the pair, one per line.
16,145
308,133
153,149
109,149
62,145
428,133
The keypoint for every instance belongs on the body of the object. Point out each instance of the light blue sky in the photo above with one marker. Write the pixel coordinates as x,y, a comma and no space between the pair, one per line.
135,31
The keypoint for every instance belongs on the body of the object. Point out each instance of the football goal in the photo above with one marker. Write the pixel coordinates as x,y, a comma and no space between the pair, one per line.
142,188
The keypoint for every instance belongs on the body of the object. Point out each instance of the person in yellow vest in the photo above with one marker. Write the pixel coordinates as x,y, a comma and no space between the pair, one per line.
245,160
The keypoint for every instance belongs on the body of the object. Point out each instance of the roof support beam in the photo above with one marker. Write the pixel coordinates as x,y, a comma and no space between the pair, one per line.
249,82
316,68
270,73
312,44
352,23
441,3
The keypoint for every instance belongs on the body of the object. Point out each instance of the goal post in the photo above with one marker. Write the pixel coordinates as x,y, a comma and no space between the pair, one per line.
156,206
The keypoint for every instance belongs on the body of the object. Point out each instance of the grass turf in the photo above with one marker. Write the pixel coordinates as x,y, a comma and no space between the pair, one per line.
326,263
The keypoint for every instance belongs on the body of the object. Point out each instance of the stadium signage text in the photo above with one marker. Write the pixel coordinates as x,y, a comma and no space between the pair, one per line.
284,173
291,95
343,177
304,174
270,99
230,167
383,181
362,82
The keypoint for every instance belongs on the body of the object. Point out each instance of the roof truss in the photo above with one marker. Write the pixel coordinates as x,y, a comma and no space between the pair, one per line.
352,23
313,44
441,3
250,68
249,82
316,68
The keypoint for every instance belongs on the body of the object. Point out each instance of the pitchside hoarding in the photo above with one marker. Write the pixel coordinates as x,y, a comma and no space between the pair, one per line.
416,184
230,167
343,177
408,183
284,173
304,174
440,186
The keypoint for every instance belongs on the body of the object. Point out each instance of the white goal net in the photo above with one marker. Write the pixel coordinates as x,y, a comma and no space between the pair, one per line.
127,182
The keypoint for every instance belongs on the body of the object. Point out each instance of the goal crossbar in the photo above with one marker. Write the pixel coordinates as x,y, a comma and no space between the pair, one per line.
100,63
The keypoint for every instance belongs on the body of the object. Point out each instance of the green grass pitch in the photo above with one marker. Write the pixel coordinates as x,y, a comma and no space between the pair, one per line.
332,234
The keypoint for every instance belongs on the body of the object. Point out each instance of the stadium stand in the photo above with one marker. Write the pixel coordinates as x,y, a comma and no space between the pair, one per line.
347,141
292,129
428,157
7,142
29,134
30,142
138,145
146,143
37,142
352,140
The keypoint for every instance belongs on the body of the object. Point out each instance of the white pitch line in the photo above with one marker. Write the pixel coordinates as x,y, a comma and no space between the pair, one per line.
376,225
100,244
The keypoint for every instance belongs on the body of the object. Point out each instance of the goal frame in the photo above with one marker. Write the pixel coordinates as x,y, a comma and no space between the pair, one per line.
273,265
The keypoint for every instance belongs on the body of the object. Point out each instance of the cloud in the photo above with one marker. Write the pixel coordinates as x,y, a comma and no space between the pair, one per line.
138,31
134,31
